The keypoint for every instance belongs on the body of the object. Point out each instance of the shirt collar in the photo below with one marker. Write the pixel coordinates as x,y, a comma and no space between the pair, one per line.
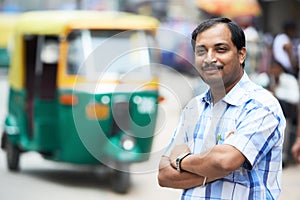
235,95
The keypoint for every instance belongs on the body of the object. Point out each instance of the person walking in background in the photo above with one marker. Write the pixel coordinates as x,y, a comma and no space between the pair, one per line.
228,142
283,48
252,43
296,145
285,88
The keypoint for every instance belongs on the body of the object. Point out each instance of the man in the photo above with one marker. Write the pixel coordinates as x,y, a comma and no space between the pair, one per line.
285,88
228,142
283,48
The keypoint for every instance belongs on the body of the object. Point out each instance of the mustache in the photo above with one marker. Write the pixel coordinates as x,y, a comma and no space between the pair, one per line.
211,66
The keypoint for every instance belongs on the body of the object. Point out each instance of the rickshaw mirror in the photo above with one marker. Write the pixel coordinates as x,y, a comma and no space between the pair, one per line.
49,54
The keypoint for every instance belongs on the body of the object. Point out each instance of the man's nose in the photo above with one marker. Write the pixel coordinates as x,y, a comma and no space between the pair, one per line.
210,57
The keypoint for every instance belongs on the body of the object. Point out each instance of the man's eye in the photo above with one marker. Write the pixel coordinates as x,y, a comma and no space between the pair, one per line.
200,52
221,49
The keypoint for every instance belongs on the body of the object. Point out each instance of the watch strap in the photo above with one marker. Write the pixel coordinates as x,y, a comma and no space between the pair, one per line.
179,160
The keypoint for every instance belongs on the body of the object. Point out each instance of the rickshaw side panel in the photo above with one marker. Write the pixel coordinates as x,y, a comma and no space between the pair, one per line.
71,119
45,128
15,122
43,137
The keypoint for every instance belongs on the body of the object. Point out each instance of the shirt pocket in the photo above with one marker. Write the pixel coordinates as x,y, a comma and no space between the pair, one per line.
225,128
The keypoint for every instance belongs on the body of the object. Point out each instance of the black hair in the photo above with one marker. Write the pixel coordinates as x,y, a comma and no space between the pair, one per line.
289,25
237,33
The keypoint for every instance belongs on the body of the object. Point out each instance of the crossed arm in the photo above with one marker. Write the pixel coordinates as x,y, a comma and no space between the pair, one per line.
214,164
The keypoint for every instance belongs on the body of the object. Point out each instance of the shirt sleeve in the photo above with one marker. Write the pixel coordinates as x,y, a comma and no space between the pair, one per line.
256,134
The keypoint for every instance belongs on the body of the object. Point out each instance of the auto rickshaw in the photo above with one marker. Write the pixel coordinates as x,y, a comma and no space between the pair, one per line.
7,22
82,90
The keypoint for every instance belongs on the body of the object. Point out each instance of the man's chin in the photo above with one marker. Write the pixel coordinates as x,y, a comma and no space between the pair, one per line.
213,80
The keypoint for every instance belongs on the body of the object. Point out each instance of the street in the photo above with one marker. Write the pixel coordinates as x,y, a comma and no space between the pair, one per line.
48,180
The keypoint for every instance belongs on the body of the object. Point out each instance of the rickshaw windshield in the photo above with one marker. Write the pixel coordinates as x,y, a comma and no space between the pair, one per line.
115,52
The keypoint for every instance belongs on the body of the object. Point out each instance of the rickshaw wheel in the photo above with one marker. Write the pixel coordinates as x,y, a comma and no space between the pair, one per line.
120,181
12,156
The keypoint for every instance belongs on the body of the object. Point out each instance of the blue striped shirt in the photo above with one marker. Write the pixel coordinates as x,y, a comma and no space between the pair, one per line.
258,123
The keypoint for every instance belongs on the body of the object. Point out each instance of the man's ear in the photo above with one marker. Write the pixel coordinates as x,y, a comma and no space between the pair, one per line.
242,55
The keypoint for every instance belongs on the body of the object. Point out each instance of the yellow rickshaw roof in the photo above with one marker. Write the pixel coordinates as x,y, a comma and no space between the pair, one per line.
60,22
56,22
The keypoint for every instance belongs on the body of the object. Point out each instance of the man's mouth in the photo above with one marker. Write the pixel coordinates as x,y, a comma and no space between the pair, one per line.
211,66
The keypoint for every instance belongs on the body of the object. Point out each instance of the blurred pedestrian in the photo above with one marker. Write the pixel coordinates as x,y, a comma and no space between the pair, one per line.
283,85
266,53
296,145
283,47
228,142
252,43
285,88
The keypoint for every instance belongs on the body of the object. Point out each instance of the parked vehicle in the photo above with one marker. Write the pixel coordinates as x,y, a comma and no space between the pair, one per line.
82,90
7,22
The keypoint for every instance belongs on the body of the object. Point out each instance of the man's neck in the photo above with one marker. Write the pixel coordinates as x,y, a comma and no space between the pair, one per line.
217,95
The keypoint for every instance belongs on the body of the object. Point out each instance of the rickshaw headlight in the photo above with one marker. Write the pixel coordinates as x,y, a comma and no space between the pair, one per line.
127,143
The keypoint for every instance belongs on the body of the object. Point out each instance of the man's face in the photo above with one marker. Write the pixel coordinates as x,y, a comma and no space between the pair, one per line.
214,46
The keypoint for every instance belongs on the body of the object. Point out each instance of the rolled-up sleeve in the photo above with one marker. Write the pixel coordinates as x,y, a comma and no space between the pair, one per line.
256,134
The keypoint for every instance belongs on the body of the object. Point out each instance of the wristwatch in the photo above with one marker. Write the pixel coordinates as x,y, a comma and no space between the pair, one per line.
179,159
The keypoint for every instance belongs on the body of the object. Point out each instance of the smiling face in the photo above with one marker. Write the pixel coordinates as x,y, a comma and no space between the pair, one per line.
218,61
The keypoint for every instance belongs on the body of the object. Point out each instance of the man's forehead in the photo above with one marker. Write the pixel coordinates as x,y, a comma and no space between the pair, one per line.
219,26
218,35
200,45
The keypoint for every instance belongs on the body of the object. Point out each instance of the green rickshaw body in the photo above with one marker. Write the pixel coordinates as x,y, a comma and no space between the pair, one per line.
112,134
57,104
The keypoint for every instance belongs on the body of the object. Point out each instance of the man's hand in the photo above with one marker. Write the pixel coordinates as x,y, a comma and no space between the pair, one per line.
177,151
170,177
